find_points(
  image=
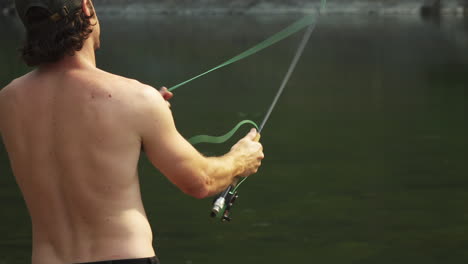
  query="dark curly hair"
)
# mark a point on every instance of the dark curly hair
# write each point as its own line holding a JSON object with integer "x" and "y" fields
{"x": 49, "y": 41}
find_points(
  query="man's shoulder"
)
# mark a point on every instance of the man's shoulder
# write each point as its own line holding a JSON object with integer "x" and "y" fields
{"x": 9, "y": 92}
{"x": 14, "y": 83}
{"x": 137, "y": 94}
{"x": 118, "y": 81}
{"x": 4, "y": 94}
{"x": 9, "y": 88}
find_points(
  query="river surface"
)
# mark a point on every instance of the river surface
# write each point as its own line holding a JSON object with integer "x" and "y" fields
{"x": 367, "y": 157}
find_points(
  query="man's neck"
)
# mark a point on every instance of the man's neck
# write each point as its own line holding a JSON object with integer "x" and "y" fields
{"x": 84, "y": 58}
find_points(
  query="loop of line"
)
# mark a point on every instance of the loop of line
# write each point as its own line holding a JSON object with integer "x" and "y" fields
{"x": 307, "y": 21}
{"x": 220, "y": 139}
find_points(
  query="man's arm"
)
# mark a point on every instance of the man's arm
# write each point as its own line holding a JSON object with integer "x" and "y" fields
{"x": 1, "y": 113}
{"x": 181, "y": 163}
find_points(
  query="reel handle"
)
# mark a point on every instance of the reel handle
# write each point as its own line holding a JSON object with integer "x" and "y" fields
{"x": 220, "y": 209}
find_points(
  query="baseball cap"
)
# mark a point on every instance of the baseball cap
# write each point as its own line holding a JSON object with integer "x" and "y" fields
{"x": 58, "y": 8}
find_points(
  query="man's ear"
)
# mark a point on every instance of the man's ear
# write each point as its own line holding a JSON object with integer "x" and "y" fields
{"x": 86, "y": 9}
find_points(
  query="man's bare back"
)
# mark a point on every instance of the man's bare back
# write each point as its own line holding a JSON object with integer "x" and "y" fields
{"x": 74, "y": 150}
{"x": 74, "y": 135}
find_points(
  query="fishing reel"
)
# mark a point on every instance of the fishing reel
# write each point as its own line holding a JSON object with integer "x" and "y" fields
{"x": 223, "y": 203}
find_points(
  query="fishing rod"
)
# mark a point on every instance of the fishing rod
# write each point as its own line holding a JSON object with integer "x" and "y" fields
{"x": 223, "y": 203}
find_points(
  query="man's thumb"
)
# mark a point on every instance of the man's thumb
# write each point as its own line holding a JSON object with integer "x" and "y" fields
{"x": 252, "y": 134}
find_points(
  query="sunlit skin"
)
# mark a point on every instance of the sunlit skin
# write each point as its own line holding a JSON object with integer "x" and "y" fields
{"x": 74, "y": 134}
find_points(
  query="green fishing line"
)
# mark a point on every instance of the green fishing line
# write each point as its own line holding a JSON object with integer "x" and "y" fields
{"x": 221, "y": 139}
{"x": 302, "y": 23}
{"x": 295, "y": 27}
{"x": 310, "y": 21}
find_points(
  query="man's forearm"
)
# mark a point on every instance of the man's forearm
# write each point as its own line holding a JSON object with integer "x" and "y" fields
{"x": 221, "y": 172}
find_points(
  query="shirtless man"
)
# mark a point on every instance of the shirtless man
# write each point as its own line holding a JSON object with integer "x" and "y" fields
{"x": 74, "y": 135}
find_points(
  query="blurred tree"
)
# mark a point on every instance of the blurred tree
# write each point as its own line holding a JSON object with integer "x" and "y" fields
{"x": 464, "y": 4}
{"x": 7, "y": 7}
{"x": 431, "y": 8}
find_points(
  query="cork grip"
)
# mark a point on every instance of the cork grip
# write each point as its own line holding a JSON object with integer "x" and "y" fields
{"x": 257, "y": 137}
{"x": 238, "y": 178}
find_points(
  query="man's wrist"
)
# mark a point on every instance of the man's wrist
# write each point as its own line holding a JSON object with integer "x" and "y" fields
{"x": 236, "y": 164}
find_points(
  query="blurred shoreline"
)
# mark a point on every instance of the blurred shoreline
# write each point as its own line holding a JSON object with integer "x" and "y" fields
{"x": 241, "y": 7}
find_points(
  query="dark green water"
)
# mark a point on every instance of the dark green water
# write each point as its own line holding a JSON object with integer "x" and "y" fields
{"x": 366, "y": 152}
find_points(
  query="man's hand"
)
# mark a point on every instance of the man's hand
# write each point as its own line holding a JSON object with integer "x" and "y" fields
{"x": 249, "y": 153}
{"x": 166, "y": 95}
{"x": 180, "y": 162}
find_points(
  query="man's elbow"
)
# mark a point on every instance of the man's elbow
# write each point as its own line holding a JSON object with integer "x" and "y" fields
{"x": 199, "y": 188}
{"x": 199, "y": 192}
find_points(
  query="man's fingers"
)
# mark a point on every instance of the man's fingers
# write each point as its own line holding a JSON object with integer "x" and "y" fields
{"x": 165, "y": 93}
{"x": 252, "y": 134}
{"x": 262, "y": 156}
{"x": 168, "y": 95}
